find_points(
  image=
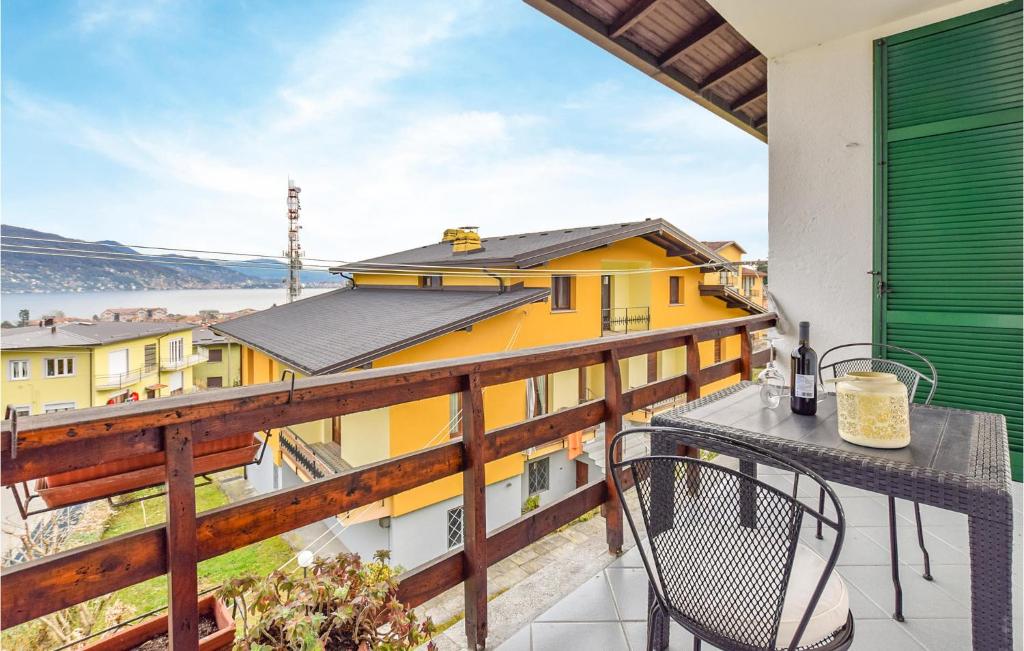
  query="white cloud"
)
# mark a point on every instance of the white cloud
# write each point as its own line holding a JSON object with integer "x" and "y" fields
{"x": 380, "y": 175}
{"x": 124, "y": 16}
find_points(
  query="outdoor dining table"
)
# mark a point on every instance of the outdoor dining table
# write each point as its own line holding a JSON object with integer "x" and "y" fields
{"x": 957, "y": 460}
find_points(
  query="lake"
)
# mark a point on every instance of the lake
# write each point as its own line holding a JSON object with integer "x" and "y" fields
{"x": 177, "y": 301}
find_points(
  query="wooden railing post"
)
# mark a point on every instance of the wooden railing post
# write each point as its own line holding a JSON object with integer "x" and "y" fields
{"x": 745, "y": 353}
{"x": 612, "y": 425}
{"x": 182, "y": 546}
{"x": 474, "y": 496}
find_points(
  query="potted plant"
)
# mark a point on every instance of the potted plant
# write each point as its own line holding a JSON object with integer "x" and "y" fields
{"x": 338, "y": 604}
{"x": 216, "y": 631}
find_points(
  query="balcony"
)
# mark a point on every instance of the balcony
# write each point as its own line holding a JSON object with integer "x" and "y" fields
{"x": 185, "y": 361}
{"x": 622, "y": 320}
{"x": 585, "y": 595}
{"x": 121, "y": 380}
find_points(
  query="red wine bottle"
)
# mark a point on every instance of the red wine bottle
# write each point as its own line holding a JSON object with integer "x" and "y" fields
{"x": 803, "y": 375}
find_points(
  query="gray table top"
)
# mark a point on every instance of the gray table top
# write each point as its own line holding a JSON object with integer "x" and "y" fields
{"x": 948, "y": 443}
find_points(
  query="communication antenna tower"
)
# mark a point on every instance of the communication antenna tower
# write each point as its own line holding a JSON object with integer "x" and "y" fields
{"x": 294, "y": 251}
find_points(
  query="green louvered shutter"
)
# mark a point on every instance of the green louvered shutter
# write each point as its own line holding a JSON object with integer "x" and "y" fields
{"x": 948, "y": 206}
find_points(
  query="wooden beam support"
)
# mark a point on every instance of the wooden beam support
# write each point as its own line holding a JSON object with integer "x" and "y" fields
{"x": 474, "y": 513}
{"x": 761, "y": 122}
{"x": 746, "y": 368}
{"x": 693, "y": 374}
{"x": 630, "y": 17}
{"x": 737, "y": 63}
{"x": 688, "y": 42}
{"x": 612, "y": 425}
{"x": 749, "y": 97}
{"x": 182, "y": 549}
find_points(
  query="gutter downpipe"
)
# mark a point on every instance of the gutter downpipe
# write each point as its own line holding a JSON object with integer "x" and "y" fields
{"x": 501, "y": 281}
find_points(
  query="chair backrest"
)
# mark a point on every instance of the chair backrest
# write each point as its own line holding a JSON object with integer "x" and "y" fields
{"x": 722, "y": 543}
{"x": 910, "y": 377}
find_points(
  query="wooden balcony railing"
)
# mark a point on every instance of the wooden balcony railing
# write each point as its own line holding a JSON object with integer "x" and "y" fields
{"x": 49, "y": 444}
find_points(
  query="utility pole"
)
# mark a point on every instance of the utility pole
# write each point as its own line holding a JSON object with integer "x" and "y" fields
{"x": 294, "y": 251}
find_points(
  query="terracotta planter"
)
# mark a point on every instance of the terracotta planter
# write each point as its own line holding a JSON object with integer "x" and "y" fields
{"x": 133, "y": 636}
{"x": 141, "y": 471}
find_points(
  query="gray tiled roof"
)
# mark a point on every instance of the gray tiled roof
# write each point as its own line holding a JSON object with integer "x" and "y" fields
{"x": 349, "y": 327}
{"x": 206, "y": 337}
{"x": 531, "y": 249}
{"x": 84, "y": 334}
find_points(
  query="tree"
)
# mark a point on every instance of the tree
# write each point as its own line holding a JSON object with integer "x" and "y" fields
{"x": 6, "y": 324}
{"x": 44, "y": 536}
{"x": 23, "y": 317}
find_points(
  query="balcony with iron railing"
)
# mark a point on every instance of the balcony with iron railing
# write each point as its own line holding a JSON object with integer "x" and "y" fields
{"x": 121, "y": 380}
{"x": 177, "y": 424}
{"x": 622, "y": 320}
{"x": 178, "y": 363}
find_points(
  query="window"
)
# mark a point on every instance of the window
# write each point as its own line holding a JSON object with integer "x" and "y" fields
{"x": 431, "y": 282}
{"x": 454, "y": 415}
{"x": 22, "y": 410}
{"x": 214, "y": 382}
{"x": 536, "y": 396}
{"x": 561, "y": 293}
{"x": 59, "y": 366}
{"x": 17, "y": 369}
{"x": 718, "y": 350}
{"x": 177, "y": 349}
{"x": 150, "y": 355}
{"x": 216, "y": 355}
{"x": 723, "y": 277}
{"x": 58, "y": 406}
{"x": 456, "y": 518}
{"x": 539, "y": 474}
{"x": 675, "y": 290}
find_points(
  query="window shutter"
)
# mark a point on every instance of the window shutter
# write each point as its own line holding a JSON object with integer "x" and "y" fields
{"x": 949, "y": 204}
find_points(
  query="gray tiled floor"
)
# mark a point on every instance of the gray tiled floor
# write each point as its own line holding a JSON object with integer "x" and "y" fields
{"x": 608, "y": 612}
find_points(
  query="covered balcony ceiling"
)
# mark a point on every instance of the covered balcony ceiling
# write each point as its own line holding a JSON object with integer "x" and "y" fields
{"x": 685, "y": 44}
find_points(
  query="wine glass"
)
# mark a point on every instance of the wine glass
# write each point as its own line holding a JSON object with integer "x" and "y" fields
{"x": 773, "y": 383}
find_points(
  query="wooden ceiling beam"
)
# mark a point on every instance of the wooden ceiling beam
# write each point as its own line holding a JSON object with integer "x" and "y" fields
{"x": 738, "y": 62}
{"x": 631, "y": 17}
{"x": 680, "y": 47}
{"x": 761, "y": 121}
{"x": 749, "y": 97}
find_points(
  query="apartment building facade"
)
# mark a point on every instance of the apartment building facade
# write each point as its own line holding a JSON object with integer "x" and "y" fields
{"x": 87, "y": 364}
{"x": 424, "y": 305}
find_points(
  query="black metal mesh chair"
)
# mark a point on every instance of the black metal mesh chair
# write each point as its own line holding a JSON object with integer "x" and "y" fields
{"x": 911, "y": 378}
{"x": 725, "y": 560}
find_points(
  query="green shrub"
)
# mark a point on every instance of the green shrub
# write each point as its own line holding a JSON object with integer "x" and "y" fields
{"x": 338, "y": 604}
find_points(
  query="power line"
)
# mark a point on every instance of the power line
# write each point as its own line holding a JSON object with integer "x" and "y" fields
{"x": 389, "y": 268}
{"x": 353, "y": 268}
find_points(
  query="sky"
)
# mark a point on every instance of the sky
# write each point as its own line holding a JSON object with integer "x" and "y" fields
{"x": 178, "y": 123}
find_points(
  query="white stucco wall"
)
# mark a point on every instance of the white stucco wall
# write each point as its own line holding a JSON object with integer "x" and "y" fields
{"x": 820, "y": 160}
{"x": 421, "y": 535}
{"x": 561, "y": 480}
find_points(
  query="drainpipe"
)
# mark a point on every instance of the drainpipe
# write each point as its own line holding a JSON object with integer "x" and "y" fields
{"x": 349, "y": 278}
{"x": 501, "y": 281}
{"x": 92, "y": 377}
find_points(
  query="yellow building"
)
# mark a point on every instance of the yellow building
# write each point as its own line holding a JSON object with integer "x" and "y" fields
{"x": 587, "y": 282}
{"x": 85, "y": 364}
{"x": 742, "y": 279}
{"x": 222, "y": 360}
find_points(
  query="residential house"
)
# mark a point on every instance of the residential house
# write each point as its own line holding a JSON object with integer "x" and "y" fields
{"x": 419, "y": 305}
{"x": 133, "y": 314}
{"x": 742, "y": 279}
{"x": 222, "y": 360}
{"x": 86, "y": 364}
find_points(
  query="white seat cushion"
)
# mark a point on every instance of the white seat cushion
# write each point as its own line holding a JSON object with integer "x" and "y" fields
{"x": 831, "y": 611}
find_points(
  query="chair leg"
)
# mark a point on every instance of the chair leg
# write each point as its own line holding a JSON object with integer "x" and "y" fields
{"x": 656, "y": 627}
{"x": 920, "y": 542}
{"x": 696, "y": 644}
{"x": 895, "y": 561}
{"x": 821, "y": 510}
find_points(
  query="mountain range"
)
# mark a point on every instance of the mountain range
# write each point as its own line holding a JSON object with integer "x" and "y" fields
{"x": 35, "y": 261}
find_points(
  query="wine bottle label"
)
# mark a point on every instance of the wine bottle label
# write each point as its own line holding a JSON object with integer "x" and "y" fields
{"x": 804, "y": 386}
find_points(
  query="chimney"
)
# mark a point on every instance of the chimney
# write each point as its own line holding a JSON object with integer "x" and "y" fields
{"x": 464, "y": 239}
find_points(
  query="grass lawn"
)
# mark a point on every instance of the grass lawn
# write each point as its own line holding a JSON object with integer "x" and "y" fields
{"x": 260, "y": 558}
